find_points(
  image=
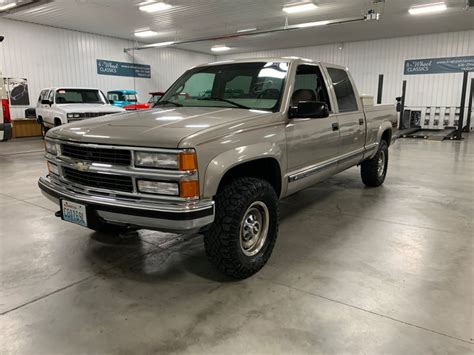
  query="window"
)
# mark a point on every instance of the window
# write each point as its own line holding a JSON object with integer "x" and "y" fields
{"x": 79, "y": 96}
{"x": 50, "y": 96}
{"x": 113, "y": 96}
{"x": 346, "y": 99}
{"x": 310, "y": 86}
{"x": 43, "y": 95}
{"x": 241, "y": 85}
{"x": 238, "y": 86}
{"x": 131, "y": 98}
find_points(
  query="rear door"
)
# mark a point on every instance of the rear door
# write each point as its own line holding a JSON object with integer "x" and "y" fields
{"x": 312, "y": 143}
{"x": 350, "y": 116}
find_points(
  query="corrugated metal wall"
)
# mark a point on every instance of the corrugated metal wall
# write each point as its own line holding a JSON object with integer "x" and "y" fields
{"x": 48, "y": 56}
{"x": 368, "y": 59}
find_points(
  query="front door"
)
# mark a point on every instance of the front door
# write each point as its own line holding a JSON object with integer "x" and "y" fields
{"x": 312, "y": 143}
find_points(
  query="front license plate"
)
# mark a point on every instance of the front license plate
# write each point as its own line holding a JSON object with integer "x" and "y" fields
{"x": 74, "y": 212}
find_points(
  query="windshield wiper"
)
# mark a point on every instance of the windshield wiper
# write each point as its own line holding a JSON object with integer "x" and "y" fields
{"x": 159, "y": 103}
{"x": 224, "y": 100}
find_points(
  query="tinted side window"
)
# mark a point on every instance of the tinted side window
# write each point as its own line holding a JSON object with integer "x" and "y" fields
{"x": 346, "y": 99}
{"x": 310, "y": 86}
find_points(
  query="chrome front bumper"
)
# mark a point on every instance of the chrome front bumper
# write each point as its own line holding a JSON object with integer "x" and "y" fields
{"x": 179, "y": 217}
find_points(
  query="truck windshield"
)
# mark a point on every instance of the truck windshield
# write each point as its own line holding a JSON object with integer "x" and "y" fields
{"x": 79, "y": 96}
{"x": 241, "y": 85}
{"x": 119, "y": 96}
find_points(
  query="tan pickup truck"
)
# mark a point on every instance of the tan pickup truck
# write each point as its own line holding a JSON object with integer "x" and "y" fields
{"x": 223, "y": 145}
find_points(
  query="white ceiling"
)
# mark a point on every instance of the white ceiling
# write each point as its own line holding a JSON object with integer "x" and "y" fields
{"x": 191, "y": 19}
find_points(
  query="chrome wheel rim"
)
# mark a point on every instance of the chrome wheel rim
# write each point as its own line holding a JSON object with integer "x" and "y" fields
{"x": 381, "y": 164}
{"x": 254, "y": 228}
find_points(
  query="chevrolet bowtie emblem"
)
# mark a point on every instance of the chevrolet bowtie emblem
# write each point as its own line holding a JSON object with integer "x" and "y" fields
{"x": 81, "y": 166}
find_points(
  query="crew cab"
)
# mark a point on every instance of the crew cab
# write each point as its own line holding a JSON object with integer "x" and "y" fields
{"x": 222, "y": 146}
{"x": 58, "y": 106}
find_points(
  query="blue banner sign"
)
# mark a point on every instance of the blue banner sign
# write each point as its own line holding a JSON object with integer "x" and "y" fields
{"x": 439, "y": 65}
{"x": 109, "y": 67}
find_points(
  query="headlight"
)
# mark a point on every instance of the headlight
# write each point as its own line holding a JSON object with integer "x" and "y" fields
{"x": 156, "y": 160}
{"x": 70, "y": 115}
{"x": 158, "y": 187}
{"x": 73, "y": 115}
{"x": 185, "y": 161}
{"x": 51, "y": 148}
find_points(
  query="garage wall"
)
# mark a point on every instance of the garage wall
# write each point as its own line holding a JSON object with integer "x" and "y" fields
{"x": 368, "y": 59}
{"x": 49, "y": 56}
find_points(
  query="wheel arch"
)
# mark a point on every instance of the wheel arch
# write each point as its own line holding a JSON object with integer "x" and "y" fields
{"x": 261, "y": 161}
{"x": 386, "y": 136}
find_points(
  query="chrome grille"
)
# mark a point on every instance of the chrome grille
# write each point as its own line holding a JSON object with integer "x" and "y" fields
{"x": 102, "y": 181}
{"x": 98, "y": 155}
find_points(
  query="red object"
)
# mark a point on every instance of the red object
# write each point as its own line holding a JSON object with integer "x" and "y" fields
{"x": 6, "y": 111}
{"x": 138, "y": 106}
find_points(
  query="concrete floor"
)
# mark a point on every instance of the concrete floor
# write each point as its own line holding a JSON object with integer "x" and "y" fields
{"x": 355, "y": 270}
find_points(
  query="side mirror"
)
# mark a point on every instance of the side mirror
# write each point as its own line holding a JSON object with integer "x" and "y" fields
{"x": 45, "y": 102}
{"x": 309, "y": 109}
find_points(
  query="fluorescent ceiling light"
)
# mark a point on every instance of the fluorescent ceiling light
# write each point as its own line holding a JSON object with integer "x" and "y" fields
{"x": 220, "y": 48}
{"x": 427, "y": 9}
{"x": 145, "y": 33}
{"x": 154, "y": 7}
{"x": 300, "y": 7}
{"x": 247, "y": 30}
{"x": 160, "y": 44}
{"x": 7, "y": 6}
{"x": 312, "y": 24}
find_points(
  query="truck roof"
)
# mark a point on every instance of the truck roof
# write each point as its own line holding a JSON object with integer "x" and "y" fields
{"x": 126, "y": 92}
{"x": 288, "y": 59}
{"x": 69, "y": 88}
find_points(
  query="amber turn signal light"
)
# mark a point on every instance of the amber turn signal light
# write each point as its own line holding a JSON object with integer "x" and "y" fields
{"x": 187, "y": 161}
{"x": 189, "y": 189}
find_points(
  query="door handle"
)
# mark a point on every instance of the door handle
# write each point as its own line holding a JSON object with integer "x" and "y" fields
{"x": 361, "y": 121}
{"x": 335, "y": 126}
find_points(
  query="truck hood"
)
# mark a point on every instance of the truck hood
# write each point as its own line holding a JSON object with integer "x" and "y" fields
{"x": 159, "y": 128}
{"x": 71, "y": 108}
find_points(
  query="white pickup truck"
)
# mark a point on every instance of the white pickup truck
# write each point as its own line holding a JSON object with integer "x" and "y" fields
{"x": 58, "y": 106}
{"x": 225, "y": 142}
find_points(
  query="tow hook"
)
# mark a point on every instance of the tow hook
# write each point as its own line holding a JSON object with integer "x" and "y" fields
{"x": 57, "y": 214}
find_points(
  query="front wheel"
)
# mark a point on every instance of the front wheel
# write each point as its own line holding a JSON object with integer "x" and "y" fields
{"x": 373, "y": 171}
{"x": 242, "y": 237}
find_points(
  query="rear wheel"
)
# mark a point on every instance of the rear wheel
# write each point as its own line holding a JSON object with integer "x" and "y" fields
{"x": 373, "y": 171}
{"x": 242, "y": 237}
